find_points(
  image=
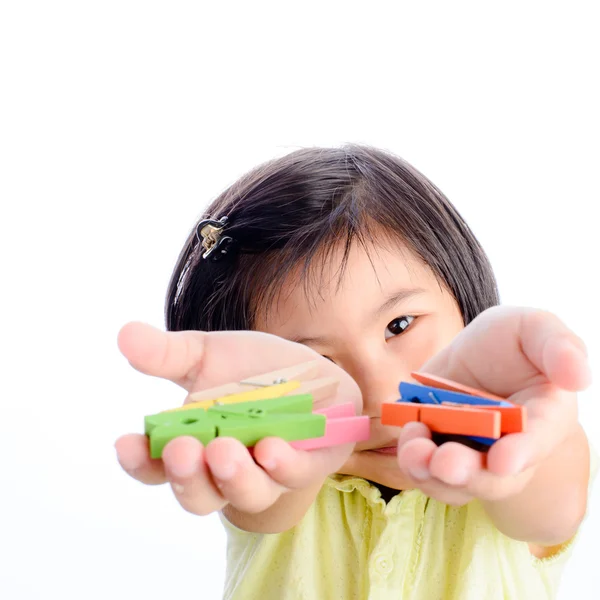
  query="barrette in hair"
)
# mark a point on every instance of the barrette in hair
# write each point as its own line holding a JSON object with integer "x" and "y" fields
{"x": 209, "y": 235}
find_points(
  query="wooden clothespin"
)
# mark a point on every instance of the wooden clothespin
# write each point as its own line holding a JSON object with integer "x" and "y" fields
{"x": 275, "y": 384}
{"x": 275, "y": 404}
{"x": 450, "y": 408}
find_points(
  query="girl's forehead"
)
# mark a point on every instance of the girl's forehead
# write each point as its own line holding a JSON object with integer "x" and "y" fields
{"x": 334, "y": 288}
{"x": 370, "y": 268}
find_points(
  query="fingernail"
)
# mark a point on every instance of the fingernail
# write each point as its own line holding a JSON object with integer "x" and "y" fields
{"x": 519, "y": 465}
{"x": 177, "y": 488}
{"x": 419, "y": 473}
{"x": 577, "y": 348}
{"x": 225, "y": 471}
{"x": 269, "y": 464}
{"x": 461, "y": 476}
{"x": 131, "y": 466}
{"x": 581, "y": 347}
{"x": 582, "y": 351}
{"x": 183, "y": 471}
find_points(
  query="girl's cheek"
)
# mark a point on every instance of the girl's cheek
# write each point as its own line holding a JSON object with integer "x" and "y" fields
{"x": 417, "y": 347}
{"x": 441, "y": 330}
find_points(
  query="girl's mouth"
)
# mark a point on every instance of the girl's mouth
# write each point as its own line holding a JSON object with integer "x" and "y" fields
{"x": 389, "y": 450}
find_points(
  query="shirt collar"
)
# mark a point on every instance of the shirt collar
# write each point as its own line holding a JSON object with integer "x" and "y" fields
{"x": 350, "y": 483}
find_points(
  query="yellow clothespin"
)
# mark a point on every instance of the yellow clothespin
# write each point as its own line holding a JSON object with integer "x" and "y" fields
{"x": 275, "y": 384}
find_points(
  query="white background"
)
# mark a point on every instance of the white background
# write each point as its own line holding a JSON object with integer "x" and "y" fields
{"x": 120, "y": 120}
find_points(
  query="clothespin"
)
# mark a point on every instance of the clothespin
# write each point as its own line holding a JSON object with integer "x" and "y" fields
{"x": 290, "y": 418}
{"x": 341, "y": 427}
{"x": 452, "y": 409}
{"x": 267, "y": 385}
{"x": 261, "y": 406}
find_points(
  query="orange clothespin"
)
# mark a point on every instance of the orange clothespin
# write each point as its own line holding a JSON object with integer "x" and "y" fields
{"x": 451, "y": 408}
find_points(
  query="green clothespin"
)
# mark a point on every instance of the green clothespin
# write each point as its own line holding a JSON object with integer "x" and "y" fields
{"x": 288, "y": 417}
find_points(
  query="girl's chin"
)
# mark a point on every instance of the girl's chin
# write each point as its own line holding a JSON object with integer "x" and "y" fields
{"x": 380, "y": 467}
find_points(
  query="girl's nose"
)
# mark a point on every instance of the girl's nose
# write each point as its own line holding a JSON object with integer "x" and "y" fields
{"x": 379, "y": 382}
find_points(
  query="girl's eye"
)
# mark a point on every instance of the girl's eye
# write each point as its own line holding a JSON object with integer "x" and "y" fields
{"x": 398, "y": 326}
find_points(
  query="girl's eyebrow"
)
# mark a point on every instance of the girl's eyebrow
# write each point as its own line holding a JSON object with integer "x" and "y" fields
{"x": 308, "y": 340}
{"x": 392, "y": 300}
{"x": 396, "y": 297}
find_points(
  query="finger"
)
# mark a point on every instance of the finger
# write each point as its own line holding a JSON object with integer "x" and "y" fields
{"x": 412, "y": 431}
{"x": 452, "y": 496}
{"x": 291, "y": 468}
{"x": 172, "y": 355}
{"x": 238, "y": 478}
{"x": 190, "y": 478}
{"x": 134, "y": 457}
{"x": 556, "y": 351}
{"x": 414, "y": 460}
{"x": 414, "y": 456}
{"x": 490, "y": 487}
{"x": 198, "y": 360}
{"x": 551, "y": 418}
{"x": 507, "y": 349}
{"x": 455, "y": 464}
{"x": 455, "y": 474}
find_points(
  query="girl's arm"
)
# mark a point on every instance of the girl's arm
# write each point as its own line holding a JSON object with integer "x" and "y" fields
{"x": 553, "y": 503}
{"x": 285, "y": 514}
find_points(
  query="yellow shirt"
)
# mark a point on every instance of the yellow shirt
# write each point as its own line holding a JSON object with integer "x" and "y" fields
{"x": 351, "y": 545}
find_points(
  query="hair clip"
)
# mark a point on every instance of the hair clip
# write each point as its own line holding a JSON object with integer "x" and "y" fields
{"x": 209, "y": 235}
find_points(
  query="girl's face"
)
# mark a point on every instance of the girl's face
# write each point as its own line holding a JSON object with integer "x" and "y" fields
{"x": 384, "y": 318}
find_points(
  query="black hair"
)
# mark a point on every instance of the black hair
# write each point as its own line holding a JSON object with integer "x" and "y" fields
{"x": 291, "y": 210}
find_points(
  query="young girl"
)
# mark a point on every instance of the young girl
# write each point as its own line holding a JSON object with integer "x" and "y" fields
{"x": 352, "y": 256}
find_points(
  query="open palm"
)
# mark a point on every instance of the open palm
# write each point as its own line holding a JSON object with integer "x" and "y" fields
{"x": 531, "y": 358}
{"x": 205, "y": 479}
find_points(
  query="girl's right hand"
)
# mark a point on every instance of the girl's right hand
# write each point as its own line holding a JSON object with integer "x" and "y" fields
{"x": 206, "y": 479}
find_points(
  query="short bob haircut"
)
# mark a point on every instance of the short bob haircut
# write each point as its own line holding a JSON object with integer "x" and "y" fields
{"x": 293, "y": 210}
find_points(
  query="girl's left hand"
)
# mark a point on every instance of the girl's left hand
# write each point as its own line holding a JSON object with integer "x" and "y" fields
{"x": 527, "y": 356}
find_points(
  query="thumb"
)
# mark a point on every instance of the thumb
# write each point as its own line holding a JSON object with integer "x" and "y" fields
{"x": 172, "y": 355}
{"x": 507, "y": 349}
{"x": 555, "y": 350}
{"x": 198, "y": 360}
